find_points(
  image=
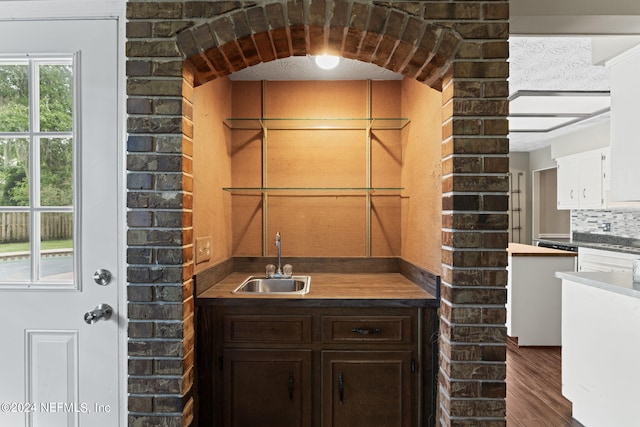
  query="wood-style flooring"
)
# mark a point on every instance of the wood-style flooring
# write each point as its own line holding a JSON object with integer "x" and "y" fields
{"x": 534, "y": 388}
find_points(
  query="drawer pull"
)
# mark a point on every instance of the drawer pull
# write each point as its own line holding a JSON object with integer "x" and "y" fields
{"x": 363, "y": 331}
{"x": 291, "y": 386}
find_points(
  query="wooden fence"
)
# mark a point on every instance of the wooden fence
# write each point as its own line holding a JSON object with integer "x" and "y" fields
{"x": 14, "y": 226}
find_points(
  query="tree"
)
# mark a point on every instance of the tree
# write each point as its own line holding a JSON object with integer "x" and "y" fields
{"x": 56, "y": 177}
{"x": 56, "y": 100}
{"x": 56, "y": 115}
{"x": 14, "y": 98}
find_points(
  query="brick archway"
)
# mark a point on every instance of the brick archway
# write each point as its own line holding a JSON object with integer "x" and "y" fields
{"x": 459, "y": 48}
{"x": 388, "y": 38}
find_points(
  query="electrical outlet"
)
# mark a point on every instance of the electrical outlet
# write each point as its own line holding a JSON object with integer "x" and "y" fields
{"x": 203, "y": 249}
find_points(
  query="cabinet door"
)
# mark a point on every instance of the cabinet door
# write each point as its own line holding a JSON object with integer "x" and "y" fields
{"x": 625, "y": 147}
{"x": 590, "y": 178}
{"x": 368, "y": 388}
{"x": 267, "y": 388}
{"x": 567, "y": 183}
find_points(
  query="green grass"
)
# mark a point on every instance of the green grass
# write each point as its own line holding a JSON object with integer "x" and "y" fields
{"x": 48, "y": 244}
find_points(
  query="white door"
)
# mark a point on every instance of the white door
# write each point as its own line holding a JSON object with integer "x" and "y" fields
{"x": 59, "y": 223}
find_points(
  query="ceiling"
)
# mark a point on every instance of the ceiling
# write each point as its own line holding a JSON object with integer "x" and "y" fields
{"x": 556, "y": 67}
{"x": 304, "y": 68}
{"x": 547, "y": 67}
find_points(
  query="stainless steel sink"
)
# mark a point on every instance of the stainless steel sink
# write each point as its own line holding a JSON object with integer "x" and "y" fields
{"x": 296, "y": 285}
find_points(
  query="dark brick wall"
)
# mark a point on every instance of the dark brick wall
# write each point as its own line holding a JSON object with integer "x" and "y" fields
{"x": 458, "y": 47}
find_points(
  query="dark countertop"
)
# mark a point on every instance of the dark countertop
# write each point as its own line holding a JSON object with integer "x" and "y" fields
{"x": 603, "y": 241}
{"x": 329, "y": 289}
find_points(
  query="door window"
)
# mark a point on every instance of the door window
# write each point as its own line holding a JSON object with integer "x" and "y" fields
{"x": 37, "y": 179}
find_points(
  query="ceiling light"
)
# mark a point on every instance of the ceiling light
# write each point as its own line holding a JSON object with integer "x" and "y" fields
{"x": 327, "y": 62}
{"x": 545, "y": 111}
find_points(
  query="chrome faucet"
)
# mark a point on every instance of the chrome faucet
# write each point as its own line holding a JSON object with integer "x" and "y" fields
{"x": 279, "y": 270}
{"x": 285, "y": 272}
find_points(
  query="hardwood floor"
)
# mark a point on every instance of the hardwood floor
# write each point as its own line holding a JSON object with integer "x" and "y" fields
{"x": 534, "y": 396}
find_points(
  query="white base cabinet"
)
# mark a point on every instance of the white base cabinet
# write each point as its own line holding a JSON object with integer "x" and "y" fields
{"x": 600, "y": 354}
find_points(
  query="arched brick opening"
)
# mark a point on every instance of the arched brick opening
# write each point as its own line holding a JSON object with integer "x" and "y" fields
{"x": 458, "y": 48}
{"x": 399, "y": 42}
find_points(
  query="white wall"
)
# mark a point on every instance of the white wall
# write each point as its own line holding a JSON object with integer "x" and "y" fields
{"x": 581, "y": 140}
{"x": 574, "y": 7}
{"x": 541, "y": 159}
{"x": 604, "y": 48}
{"x": 575, "y": 17}
{"x": 60, "y": 9}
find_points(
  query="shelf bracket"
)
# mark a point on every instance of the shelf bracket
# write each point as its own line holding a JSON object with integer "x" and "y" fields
{"x": 368, "y": 174}
{"x": 265, "y": 196}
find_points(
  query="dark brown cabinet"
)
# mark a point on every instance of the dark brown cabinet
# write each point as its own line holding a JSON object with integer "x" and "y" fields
{"x": 313, "y": 366}
{"x": 266, "y": 388}
{"x": 367, "y": 388}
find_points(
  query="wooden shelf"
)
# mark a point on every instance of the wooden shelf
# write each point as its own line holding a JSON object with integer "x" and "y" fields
{"x": 316, "y": 190}
{"x": 316, "y": 124}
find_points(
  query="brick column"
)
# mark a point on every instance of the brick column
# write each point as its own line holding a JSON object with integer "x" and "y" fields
{"x": 159, "y": 237}
{"x": 474, "y": 226}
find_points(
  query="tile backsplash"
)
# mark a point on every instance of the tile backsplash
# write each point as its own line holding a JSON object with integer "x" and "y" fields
{"x": 624, "y": 222}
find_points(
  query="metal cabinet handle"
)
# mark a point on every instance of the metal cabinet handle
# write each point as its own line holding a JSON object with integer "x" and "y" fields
{"x": 584, "y": 193}
{"x": 291, "y": 386}
{"x": 365, "y": 331}
{"x": 571, "y": 194}
{"x": 341, "y": 388}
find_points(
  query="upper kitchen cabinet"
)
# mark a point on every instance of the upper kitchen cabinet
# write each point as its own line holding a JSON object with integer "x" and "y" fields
{"x": 581, "y": 180}
{"x": 625, "y": 147}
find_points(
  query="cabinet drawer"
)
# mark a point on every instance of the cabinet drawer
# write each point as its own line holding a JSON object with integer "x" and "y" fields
{"x": 353, "y": 329}
{"x": 267, "y": 329}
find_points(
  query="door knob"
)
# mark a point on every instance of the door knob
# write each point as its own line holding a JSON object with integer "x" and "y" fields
{"x": 102, "y": 311}
{"x": 102, "y": 277}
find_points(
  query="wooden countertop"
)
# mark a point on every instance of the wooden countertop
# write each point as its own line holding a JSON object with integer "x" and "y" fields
{"x": 335, "y": 289}
{"x": 518, "y": 249}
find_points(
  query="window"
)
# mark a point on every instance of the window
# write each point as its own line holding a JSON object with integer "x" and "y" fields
{"x": 37, "y": 179}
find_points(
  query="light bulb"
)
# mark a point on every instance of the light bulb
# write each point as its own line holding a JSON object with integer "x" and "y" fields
{"x": 327, "y": 62}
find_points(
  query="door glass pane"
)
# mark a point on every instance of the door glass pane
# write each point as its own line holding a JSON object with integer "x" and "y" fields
{"x": 14, "y": 172}
{"x": 37, "y": 172}
{"x": 15, "y": 253}
{"x": 14, "y": 96}
{"x": 56, "y": 246}
{"x": 56, "y": 98}
{"x": 56, "y": 172}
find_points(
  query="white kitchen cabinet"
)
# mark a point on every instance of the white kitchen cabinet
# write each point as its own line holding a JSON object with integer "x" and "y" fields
{"x": 581, "y": 180}
{"x": 625, "y": 145}
{"x": 590, "y": 259}
{"x": 567, "y": 183}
